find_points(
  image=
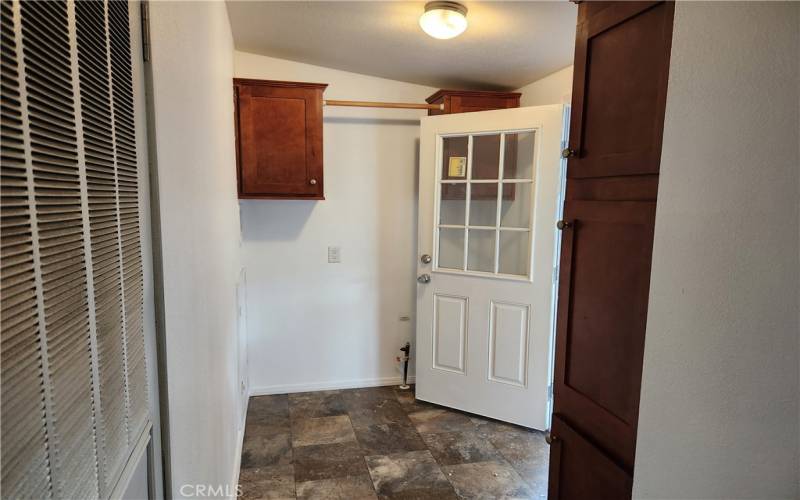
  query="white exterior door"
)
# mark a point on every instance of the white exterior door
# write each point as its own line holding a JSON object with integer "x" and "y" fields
{"x": 490, "y": 191}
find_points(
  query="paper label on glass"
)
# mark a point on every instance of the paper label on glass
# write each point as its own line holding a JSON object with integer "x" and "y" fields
{"x": 457, "y": 166}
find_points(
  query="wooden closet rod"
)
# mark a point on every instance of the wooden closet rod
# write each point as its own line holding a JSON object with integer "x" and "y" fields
{"x": 396, "y": 105}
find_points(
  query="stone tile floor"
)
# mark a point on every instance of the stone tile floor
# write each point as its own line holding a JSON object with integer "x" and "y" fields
{"x": 382, "y": 443}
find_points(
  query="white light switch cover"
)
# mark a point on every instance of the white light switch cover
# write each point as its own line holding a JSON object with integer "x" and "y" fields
{"x": 334, "y": 255}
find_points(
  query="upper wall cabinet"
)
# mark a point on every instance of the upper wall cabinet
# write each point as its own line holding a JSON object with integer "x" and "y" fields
{"x": 464, "y": 101}
{"x": 279, "y": 139}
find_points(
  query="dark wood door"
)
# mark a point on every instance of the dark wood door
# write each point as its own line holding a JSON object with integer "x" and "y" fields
{"x": 619, "y": 93}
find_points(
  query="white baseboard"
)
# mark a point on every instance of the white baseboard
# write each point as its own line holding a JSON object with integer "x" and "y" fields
{"x": 327, "y": 386}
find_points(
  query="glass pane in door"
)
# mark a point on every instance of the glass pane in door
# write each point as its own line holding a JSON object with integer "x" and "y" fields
{"x": 518, "y": 156}
{"x": 483, "y": 205}
{"x": 455, "y": 151}
{"x": 451, "y": 248}
{"x": 485, "y": 156}
{"x": 514, "y": 254}
{"x": 453, "y": 204}
{"x": 480, "y": 254}
{"x": 515, "y": 211}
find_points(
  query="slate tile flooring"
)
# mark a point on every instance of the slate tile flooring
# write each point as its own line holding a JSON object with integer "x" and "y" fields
{"x": 381, "y": 443}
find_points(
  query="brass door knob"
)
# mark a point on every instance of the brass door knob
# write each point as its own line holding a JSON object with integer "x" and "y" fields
{"x": 567, "y": 153}
{"x": 562, "y": 225}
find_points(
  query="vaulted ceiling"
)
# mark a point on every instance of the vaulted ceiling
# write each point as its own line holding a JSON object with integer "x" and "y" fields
{"x": 507, "y": 44}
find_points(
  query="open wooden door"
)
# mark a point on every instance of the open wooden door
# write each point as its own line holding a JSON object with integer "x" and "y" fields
{"x": 619, "y": 93}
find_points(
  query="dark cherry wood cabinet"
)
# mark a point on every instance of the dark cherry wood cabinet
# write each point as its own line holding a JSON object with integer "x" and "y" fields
{"x": 618, "y": 101}
{"x": 279, "y": 139}
{"x": 465, "y": 101}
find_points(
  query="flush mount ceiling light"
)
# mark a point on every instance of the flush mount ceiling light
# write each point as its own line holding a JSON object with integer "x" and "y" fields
{"x": 444, "y": 20}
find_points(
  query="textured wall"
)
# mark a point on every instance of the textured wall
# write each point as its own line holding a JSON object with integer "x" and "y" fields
{"x": 192, "y": 65}
{"x": 555, "y": 88}
{"x": 719, "y": 407}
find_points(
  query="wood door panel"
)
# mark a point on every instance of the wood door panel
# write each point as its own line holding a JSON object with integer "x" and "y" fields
{"x": 605, "y": 260}
{"x": 620, "y": 90}
{"x": 281, "y": 148}
{"x": 582, "y": 470}
{"x": 628, "y": 188}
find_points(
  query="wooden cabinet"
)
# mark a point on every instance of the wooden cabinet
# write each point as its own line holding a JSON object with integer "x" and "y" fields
{"x": 618, "y": 100}
{"x": 279, "y": 139}
{"x": 465, "y": 101}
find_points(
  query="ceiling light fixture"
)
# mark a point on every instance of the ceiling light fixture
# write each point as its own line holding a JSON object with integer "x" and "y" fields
{"x": 444, "y": 20}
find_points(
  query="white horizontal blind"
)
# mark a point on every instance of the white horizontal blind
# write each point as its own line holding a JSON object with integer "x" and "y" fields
{"x": 74, "y": 389}
{"x": 130, "y": 227}
{"x": 25, "y": 459}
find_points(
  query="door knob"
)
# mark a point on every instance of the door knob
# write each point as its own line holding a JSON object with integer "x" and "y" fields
{"x": 424, "y": 278}
{"x": 561, "y": 225}
{"x": 549, "y": 437}
{"x": 425, "y": 259}
{"x": 313, "y": 182}
{"x": 567, "y": 153}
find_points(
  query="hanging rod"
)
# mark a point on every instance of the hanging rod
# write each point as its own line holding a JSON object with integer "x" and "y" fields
{"x": 396, "y": 105}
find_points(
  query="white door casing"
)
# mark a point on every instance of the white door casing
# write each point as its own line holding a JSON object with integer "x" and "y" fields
{"x": 485, "y": 318}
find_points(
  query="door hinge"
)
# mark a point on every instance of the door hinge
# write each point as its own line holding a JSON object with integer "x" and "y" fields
{"x": 550, "y": 392}
{"x": 145, "y": 18}
{"x": 555, "y": 274}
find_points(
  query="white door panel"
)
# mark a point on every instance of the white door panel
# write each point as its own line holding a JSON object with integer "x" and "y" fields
{"x": 449, "y": 332}
{"x": 490, "y": 190}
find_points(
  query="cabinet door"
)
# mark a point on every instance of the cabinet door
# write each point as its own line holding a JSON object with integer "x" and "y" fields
{"x": 619, "y": 94}
{"x": 582, "y": 471}
{"x": 280, "y": 141}
{"x": 602, "y": 313}
{"x": 619, "y": 88}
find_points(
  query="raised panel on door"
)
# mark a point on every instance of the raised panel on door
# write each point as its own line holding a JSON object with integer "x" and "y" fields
{"x": 509, "y": 328}
{"x": 605, "y": 275}
{"x": 581, "y": 470}
{"x": 449, "y": 333}
{"x": 619, "y": 89}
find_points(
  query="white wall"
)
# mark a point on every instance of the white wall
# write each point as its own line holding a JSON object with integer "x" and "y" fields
{"x": 719, "y": 407}
{"x": 192, "y": 68}
{"x": 555, "y": 88}
{"x": 312, "y": 324}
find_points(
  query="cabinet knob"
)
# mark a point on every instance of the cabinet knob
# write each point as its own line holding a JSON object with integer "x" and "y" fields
{"x": 313, "y": 182}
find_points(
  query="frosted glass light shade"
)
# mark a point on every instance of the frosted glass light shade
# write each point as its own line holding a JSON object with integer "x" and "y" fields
{"x": 444, "y": 20}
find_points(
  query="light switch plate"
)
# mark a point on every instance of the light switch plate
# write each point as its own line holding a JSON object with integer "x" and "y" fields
{"x": 334, "y": 255}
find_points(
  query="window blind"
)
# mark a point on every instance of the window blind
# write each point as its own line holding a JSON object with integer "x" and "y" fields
{"x": 73, "y": 375}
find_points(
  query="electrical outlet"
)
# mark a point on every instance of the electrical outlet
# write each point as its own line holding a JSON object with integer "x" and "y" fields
{"x": 334, "y": 255}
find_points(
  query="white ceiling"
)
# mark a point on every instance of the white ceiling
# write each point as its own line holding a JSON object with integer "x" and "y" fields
{"x": 506, "y": 46}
